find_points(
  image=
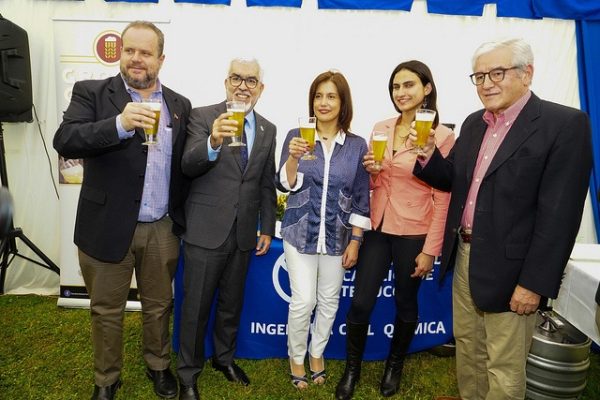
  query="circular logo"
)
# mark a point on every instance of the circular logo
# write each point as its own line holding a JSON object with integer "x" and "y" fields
{"x": 277, "y": 278}
{"x": 107, "y": 47}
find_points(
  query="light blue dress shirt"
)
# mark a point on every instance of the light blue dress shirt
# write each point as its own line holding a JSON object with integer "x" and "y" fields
{"x": 155, "y": 196}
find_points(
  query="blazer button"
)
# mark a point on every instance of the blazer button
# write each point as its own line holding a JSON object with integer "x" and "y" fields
{"x": 137, "y": 201}
{"x": 141, "y": 175}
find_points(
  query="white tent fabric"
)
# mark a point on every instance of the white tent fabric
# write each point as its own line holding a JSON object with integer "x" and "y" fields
{"x": 293, "y": 45}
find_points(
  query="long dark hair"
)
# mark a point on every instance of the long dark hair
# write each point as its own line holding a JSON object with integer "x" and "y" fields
{"x": 424, "y": 74}
{"x": 340, "y": 82}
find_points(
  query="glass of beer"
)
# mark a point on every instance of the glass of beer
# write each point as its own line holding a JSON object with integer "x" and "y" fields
{"x": 308, "y": 129}
{"x": 423, "y": 122}
{"x": 238, "y": 108}
{"x": 154, "y": 105}
{"x": 378, "y": 143}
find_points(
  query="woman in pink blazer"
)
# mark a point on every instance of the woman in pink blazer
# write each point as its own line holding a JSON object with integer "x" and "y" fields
{"x": 408, "y": 219}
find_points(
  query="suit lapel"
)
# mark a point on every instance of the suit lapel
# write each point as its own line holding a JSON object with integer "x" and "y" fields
{"x": 518, "y": 133}
{"x": 174, "y": 107}
{"x": 478, "y": 132}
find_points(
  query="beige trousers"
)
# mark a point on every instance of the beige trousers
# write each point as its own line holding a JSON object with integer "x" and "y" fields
{"x": 153, "y": 255}
{"x": 491, "y": 348}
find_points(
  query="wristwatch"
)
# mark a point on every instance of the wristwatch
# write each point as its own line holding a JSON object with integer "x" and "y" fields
{"x": 359, "y": 239}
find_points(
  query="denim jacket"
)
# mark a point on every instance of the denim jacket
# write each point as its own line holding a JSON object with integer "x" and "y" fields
{"x": 347, "y": 196}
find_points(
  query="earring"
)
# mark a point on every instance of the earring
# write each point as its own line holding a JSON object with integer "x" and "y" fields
{"x": 424, "y": 104}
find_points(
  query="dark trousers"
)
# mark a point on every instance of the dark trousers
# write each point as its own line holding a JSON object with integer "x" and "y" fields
{"x": 205, "y": 271}
{"x": 153, "y": 255}
{"x": 377, "y": 252}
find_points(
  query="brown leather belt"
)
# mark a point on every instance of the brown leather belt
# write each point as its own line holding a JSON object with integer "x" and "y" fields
{"x": 465, "y": 235}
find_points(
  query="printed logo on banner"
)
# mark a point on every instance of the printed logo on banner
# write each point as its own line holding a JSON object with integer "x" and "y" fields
{"x": 279, "y": 276}
{"x": 107, "y": 47}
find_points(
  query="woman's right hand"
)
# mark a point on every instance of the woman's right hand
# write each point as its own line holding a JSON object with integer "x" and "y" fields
{"x": 297, "y": 147}
{"x": 369, "y": 163}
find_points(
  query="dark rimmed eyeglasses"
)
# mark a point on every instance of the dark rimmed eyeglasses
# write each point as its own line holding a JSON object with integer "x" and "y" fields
{"x": 495, "y": 75}
{"x": 236, "y": 81}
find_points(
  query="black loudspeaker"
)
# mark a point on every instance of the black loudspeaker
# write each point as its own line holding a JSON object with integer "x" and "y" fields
{"x": 15, "y": 74}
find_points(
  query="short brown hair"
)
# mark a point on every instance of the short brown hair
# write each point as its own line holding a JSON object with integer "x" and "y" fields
{"x": 345, "y": 117}
{"x": 152, "y": 27}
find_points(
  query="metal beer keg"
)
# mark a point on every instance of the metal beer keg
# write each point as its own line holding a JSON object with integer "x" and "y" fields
{"x": 558, "y": 361}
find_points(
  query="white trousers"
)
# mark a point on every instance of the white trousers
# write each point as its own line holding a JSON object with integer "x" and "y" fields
{"x": 315, "y": 281}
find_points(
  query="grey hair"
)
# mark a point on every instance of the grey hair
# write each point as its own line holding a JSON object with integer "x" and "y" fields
{"x": 520, "y": 50}
{"x": 242, "y": 60}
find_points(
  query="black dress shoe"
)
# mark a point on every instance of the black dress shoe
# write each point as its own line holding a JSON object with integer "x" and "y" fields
{"x": 188, "y": 392}
{"x": 165, "y": 384}
{"x": 232, "y": 372}
{"x": 106, "y": 392}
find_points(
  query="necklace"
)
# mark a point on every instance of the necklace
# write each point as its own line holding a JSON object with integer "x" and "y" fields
{"x": 323, "y": 137}
{"x": 400, "y": 136}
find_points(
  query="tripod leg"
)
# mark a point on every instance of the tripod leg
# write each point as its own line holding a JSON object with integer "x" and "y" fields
{"x": 4, "y": 255}
{"x": 49, "y": 264}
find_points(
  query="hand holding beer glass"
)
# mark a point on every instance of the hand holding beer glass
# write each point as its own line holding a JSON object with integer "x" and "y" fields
{"x": 378, "y": 143}
{"x": 308, "y": 129}
{"x": 423, "y": 123}
{"x": 238, "y": 108}
{"x": 154, "y": 105}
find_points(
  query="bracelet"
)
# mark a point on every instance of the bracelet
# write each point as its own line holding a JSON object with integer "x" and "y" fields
{"x": 359, "y": 239}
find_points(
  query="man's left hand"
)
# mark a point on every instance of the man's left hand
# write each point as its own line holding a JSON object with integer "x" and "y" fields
{"x": 264, "y": 242}
{"x": 524, "y": 301}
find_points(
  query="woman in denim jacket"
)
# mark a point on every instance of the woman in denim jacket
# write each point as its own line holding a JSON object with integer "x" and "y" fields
{"x": 408, "y": 218}
{"x": 327, "y": 211}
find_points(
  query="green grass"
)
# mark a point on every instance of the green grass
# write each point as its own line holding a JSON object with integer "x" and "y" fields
{"x": 45, "y": 353}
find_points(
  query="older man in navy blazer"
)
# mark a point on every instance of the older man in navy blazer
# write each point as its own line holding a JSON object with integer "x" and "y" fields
{"x": 518, "y": 175}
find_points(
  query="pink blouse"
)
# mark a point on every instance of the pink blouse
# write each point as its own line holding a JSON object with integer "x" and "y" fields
{"x": 407, "y": 205}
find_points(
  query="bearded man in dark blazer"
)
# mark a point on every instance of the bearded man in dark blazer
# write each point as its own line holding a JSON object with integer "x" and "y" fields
{"x": 131, "y": 203}
{"x": 519, "y": 174}
{"x": 232, "y": 195}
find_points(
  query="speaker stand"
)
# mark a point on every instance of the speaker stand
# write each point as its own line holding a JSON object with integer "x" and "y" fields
{"x": 8, "y": 245}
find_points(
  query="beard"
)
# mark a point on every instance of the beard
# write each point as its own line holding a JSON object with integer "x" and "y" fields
{"x": 137, "y": 83}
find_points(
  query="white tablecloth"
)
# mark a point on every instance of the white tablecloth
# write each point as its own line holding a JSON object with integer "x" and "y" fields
{"x": 576, "y": 299}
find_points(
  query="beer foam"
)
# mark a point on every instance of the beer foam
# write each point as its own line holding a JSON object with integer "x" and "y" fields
{"x": 425, "y": 116}
{"x": 236, "y": 106}
{"x": 154, "y": 106}
{"x": 380, "y": 137}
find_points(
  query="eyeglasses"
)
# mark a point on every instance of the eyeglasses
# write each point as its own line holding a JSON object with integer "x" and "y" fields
{"x": 496, "y": 75}
{"x": 236, "y": 81}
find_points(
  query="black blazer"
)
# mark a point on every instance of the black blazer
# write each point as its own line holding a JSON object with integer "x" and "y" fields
{"x": 222, "y": 193}
{"x": 529, "y": 205}
{"x": 114, "y": 169}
